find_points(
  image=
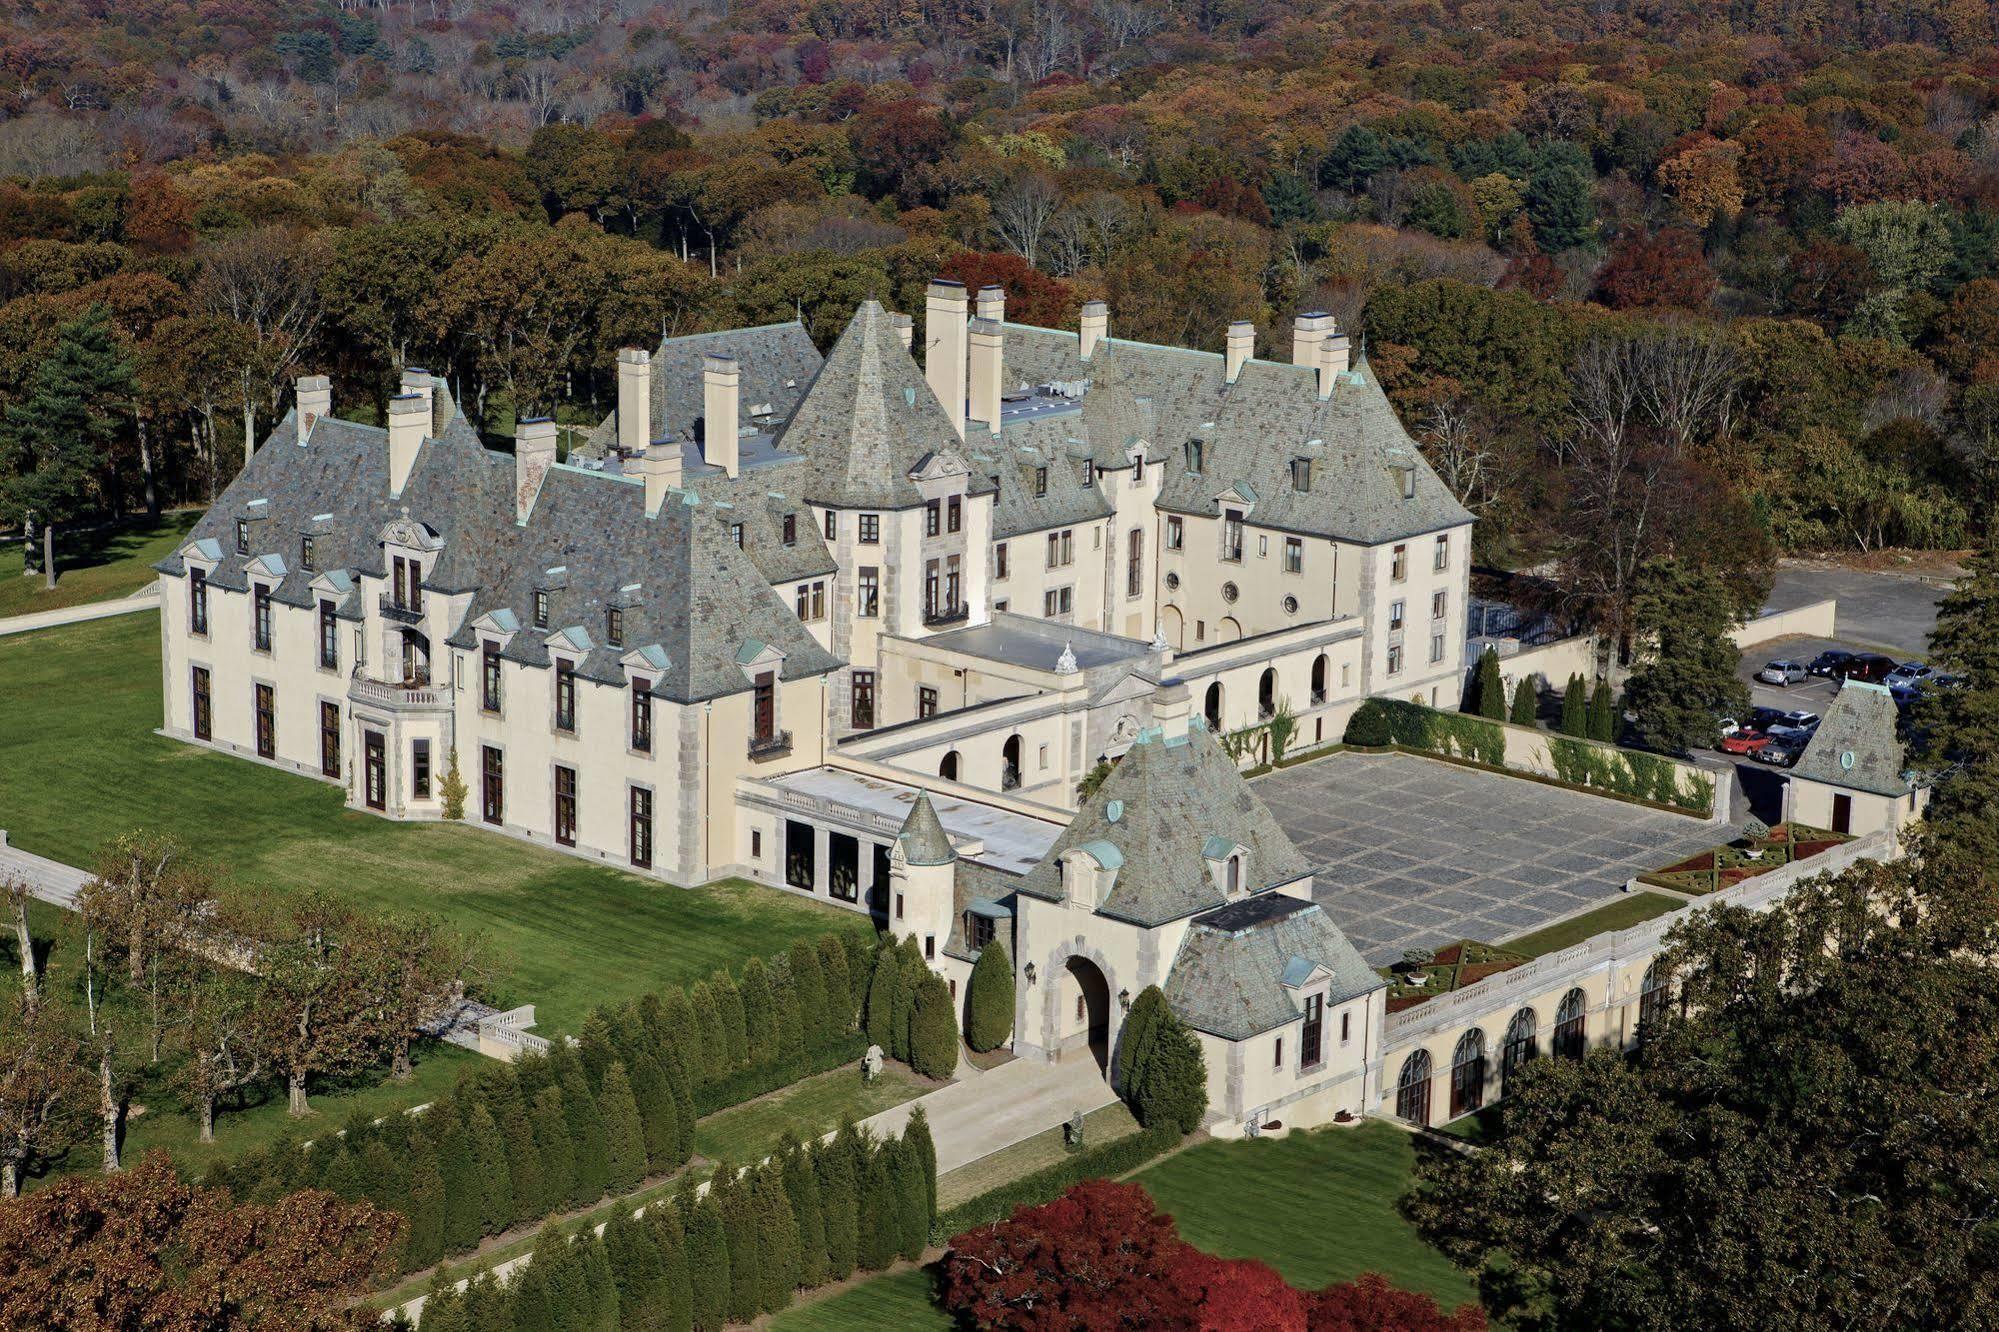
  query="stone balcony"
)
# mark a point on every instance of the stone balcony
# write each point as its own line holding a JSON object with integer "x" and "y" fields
{"x": 399, "y": 696}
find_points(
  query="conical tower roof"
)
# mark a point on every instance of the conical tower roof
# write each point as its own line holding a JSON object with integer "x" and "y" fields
{"x": 923, "y": 839}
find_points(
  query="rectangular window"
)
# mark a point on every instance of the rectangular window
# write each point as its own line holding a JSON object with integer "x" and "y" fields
{"x": 1439, "y": 603}
{"x": 930, "y": 946}
{"x": 565, "y": 695}
{"x": 801, "y": 601}
{"x": 1041, "y": 481}
{"x": 492, "y": 785}
{"x": 868, "y": 592}
{"x": 1395, "y": 615}
{"x": 999, "y": 562}
{"x": 305, "y": 554}
{"x": 871, "y": 529}
{"x": 1057, "y": 602}
{"x": 1176, "y": 533}
{"x": 978, "y": 930}
{"x": 1232, "y": 535}
{"x": 329, "y": 637}
{"x": 1398, "y": 563}
{"x": 926, "y": 702}
{"x": 242, "y": 536}
{"x": 400, "y": 598}
{"x": 329, "y": 739}
{"x": 1315, "y": 1021}
{"x": 420, "y": 769}
{"x": 642, "y": 714}
{"x": 1194, "y": 451}
{"x": 489, "y": 677}
{"x": 1089, "y": 472}
{"x": 267, "y": 721}
{"x": 932, "y": 518}
{"x": 1294, "y": 555}
{"x": 763, "y": 698}
{"x": 1346, "y": 1028}
{"x": 864, "y": 700}
{"x": 204, "y": 716}
{"x": 953, "y": 584}
{"x": 832, "y": 524}
{"x": 790, "y": 529}
{"x": 614, "y": 627}
{"x": 1061, "y": 549}
{"x": 1138, "y": 469}
{"x": 736, "y": 534}
{"x": 565, "y": 806}
{"x": 1395, "y": 659}
{"x": 1442, "y": 560}
{"x": 260, "y": 599}
{"x": 197, "y": 600}
{"x": 540, "y": 609}
{"x": 416, "y": 586}
{"x": 898, "y": 906}
{"x": 954, "y": 514}
{"x": 1436, "y": 647}
{"x": 374, "y": 770}
{"x": 1278, "y": 1061}
{"x": 819, "y": 600}
{"x": 930, "y": 588}
{"x": 641, "y": 828}
{"x": 1134, "y": 562}
{"x": 1301, "y": 475}
{"x": 1263, "y": 548}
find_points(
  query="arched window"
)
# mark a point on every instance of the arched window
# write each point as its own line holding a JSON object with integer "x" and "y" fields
{"x": 1654, "y": 994}
{"x": 1571, "y": 1025}
{"x": 1412, "y": 1089}
{"x": 1234, "y": 875}
{"x": 948, "y": 769}
{"x": 1319, "y": 665}
{"x": 1523, "y": 1046}
{"x": 1010, "y": 763}
{"x": 1266, "y": 695}
{"x": 1468, "y": 1073}
{"x": 1212, "y": 708}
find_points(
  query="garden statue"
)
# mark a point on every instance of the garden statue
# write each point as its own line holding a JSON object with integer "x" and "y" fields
{"x": 871, "y": 1064}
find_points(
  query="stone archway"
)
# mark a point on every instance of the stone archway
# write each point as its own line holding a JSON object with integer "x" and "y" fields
{"x": 1077, "y": 991}
{"x": 1090, "y": 1015}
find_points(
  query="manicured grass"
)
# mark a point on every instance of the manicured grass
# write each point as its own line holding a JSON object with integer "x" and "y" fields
{"x": 1319, "y": 1206}
{"x": 79, "y": 763}
{"x": 1100, "y": 1128}
{"x": 1631, "y": 909}
{"x": 92, "y": 566}
{"x": 900, "y": 1300}
{"x": 745, "y": 1134}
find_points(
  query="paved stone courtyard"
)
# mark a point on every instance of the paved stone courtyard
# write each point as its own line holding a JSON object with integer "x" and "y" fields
{"x": 1410, "y": 853}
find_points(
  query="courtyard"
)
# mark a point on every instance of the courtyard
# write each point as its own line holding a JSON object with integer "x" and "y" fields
{"x": 1410, "y": 852}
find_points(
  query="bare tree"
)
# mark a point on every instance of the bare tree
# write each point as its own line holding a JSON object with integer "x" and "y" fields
{"x": 42, "y": 1091}
{"x": 269, "y": 280}
{"x": 1457, "y": 438}
{"x": 18, "y": 896}
{"x": 1022, "y": 206}
{"x": 1613, "y": 469}
{"x": 1688, "y": 379}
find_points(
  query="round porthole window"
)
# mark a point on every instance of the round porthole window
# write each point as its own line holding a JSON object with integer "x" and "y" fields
{"x": 1172, "y": 582}
{"x": 1290, "y": 605}
{"x": 1846, "y": 759}
{"x": 1229, "y": 593}
{"x": 1114, "y": 811}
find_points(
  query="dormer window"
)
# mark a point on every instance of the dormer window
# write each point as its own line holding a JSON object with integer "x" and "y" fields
{"x": 614, "y": 627}
{"x": 260, "y": 619}
{"x": 1089, "y": 472}
{"x": 1301, "y": 475}
{"x": 242, "y": 536}
{"x": 1194, "y": 451}
{"x": 1232, "y": 876}
{"x": 1041, "y": 481}
{"x": 871, "y": 529}
{"x": 1138, "y": 469}
{"x": 736, "y": 534}
{"x": 306, "y": 556}
{"x": 933, "y": 516}
{"x": 1408, "y": 475}
{"x": 541, "y": 608}
{"x": 408, "y": 576}
{"x": 565, "y": 695}
{"x": 790, "y": 525}
{"x": 954, "y": 514}
{"x": 1311, "y": 1040}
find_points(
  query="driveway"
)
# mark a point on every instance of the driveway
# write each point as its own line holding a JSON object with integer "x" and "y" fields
{"x": 1000, "y": 1107}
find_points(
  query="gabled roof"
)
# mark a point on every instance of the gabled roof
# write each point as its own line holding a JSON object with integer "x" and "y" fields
{"x": 1240, "y": 970}
{"x": 1856, "y": 746}
{"x": 1172, "y": 797}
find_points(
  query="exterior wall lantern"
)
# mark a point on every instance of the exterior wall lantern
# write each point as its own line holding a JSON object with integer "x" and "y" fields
{"x": 1028, "y": 971}
{"x": 1124, "y": 1001}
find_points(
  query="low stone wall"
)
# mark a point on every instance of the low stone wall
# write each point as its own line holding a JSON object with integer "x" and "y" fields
{"x": 1816, "y": 619}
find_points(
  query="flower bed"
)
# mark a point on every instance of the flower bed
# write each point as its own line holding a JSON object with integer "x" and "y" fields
{"x": 1451, "y": 967}
{"x": 1729, "y": 864}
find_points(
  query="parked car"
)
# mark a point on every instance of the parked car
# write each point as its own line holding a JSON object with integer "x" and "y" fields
{"x": 1829, "y": 662}
{"x": 1795, "y": 726}
{"x": 1782, "y": 672}
{"x": 1782, "y": 753}
{"x": 1906, "y": 691}
{"x": 1743, "y": 740}
{"x": 1908, "y": 673}
{"x": 1870, "y": 667}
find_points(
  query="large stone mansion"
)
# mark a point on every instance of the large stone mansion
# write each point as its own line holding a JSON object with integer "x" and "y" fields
{"x": 859, "y": 628}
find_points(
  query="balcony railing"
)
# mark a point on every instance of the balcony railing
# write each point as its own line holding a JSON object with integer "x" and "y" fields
{"x": 774, "y": 745}
{"x": 400, "y": 614}
{"x": 938, "y": 615}
{"x": 415, "y": 693}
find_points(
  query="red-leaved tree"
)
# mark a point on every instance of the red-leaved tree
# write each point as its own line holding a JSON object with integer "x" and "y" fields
{"x": 1237, "y": 1294}
{"x": 1369, "y": 1304}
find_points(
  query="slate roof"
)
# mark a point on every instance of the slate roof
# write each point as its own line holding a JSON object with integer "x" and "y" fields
{"x": 1855, "y": 745}
{"x": 922, "y": 836}
{"x": 680, "y": 580}
{"x": 1172, "y": 795}
{"x": 1250, "y": 431}
{"x": 1230, "y": 976}
{"x": 1013, "y": 461}
{"x": 775, "y": 364}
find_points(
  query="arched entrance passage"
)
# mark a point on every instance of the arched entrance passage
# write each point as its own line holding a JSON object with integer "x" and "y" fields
{"x": 948, "y": 769}
{"x": 1318, "y": 679}
{"x": 1212, "y": 707}
{"x": 1086, "y": 1019}
{"x": 1266, "y": 694}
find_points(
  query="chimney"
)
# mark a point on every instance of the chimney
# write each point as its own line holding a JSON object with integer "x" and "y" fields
{"x": 1242, "y": 345}
{"x": 661, "y": 470}
{"x": 1096, "y": 326}
{"x": 315, "y": 399}
{"x": 721, "y": 414}
{"x": 409, "y": 422}
{"x": 987, "y": 345}
{"x": 1333, "y": 362}
{"x": 534, "y": 454}
{"x": 992, "y": 304}
{"x": 417, "y": 380}
{"x": 1172, "y": 707}
{"x": 634, "y": 401}
{"x": 944, "y": 347}
{"x": 905, "y": 329}
{"x": 1308, "y": 330}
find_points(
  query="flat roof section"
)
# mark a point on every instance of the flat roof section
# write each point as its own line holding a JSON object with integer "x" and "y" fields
{"x": 1021, "y": 640}
{"x": 1014, "y": 842}
{"x": 1408, "y": 852}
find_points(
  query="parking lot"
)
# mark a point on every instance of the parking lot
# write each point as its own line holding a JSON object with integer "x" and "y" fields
{"x": 1409, "y": 852}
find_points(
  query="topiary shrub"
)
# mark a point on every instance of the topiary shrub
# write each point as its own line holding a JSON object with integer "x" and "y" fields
{"x": 452, "y": 789}
{"x": 989, "y": 999}
{"x": 933, "y": 1029}
{"x": 1368, "y": 727}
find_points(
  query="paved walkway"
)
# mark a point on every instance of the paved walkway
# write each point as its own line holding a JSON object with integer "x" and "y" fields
{"x": 50, "y": 881}
{"x": 1000, "y": 1107}
{"x": 146, "y": 598}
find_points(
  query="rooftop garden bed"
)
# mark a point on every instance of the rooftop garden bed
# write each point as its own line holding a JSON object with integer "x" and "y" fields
{"x": 1758, "y": 851}
{"x": 1421, "y": 976}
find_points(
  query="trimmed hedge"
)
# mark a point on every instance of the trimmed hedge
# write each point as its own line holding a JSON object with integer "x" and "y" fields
{"x": 750, "y": 1083}
{"x": 1628, "y": 772}
{"x": 1379, "y": 722}
{"x": 1106, "y": 1162}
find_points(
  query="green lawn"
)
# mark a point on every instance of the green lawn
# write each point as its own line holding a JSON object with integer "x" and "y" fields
{"x": 899, "y": 1300}
{"x": 1319, "y": 1206}
{"x": 745, "y": 1134}
{"x": 1100, "y": 1128}
{"x": 93, "y": 566}
{"x": 1631, "y": 909}
{"x": 79, "y": 763}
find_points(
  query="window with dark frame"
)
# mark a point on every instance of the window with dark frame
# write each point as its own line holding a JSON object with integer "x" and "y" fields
{"x": 1089, "y": 472}
{"x": 420, "y": 769}
{"x": 399, "y": 598}
{"x": 999, "y": 562}
{"x": 1232, "y": 535}
{"x": 1057, "y": 601}
{"x": 540, "y": 609}
{"x": 1311, "y": 1038}
{"x": 1278, "y": 1062}
{"x": 267, "y": 721}
{"x": 1398, "y": 563}
{"x": 763, "y": 710}
{"x": 1138, "y": 469}
{"x": 614, "y": 627}
{"x": 242, "y": 536}
{"x": 492, "y": 785}
{"x": 1194, "y": 451}
{"x": 871, "y": 529}
{"x": 1442, "y": 559}
{"x": 489, "y": 677}
{"x": 1134, "y": 562}
{"x": 790, "y": 529}
{"x": 926, "y": 702}
{"x": 1301, "y": 475}
{"x": 197, "y": 600}
{"x": 204, "y": 703}
{"x": 863, "y": 712}
{"x": 819, "y": 600}
{"x": 641, "y": 714}
{"x": 932, "y": 517}
{"x": 565, "y": 806}
{"x": 1041, "y": 481}
{"x": 1176, "y": 533}
{"x": 1294, "y": 555}
{"x": 260, "y": 598}
{"x": 736, "y": 534}
{"x": 329, "y": 636}
{"x": 565, "y": 694}
{"x": 832, "y": 524}
{"x": 641, "y": 830}
{"x": 305, "y": 554}
{"x": 954, "y": 514}
{"x": 867, "y": 594}
{"x": 329, "y": 739}
{"x": 979, "y": 930}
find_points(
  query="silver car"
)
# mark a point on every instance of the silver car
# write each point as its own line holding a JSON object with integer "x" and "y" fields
{"x": 1783, "y": 672}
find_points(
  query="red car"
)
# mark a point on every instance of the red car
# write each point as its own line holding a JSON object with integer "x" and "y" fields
{"x": 1745, "y": 741}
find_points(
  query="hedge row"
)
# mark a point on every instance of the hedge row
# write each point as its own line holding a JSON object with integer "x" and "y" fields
{"x": 741, "y": 1249}
{"x": 1108, "y": 1162}
{"x": 513, "y": 1143}
{"x": 1630, "y": 773}
{"x": 1379, "y": 722}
